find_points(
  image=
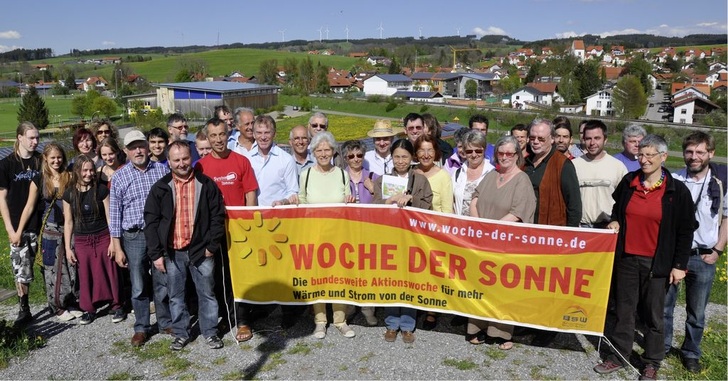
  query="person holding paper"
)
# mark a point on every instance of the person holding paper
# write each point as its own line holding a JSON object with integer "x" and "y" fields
{"x": 415, "y": 192}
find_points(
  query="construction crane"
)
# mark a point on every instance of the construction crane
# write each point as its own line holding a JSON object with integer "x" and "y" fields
{"x": 454, "y": 55}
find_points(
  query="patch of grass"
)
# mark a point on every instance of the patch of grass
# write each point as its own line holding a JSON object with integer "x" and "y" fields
{"x": 300, "y": 349}
{"x": 495, "y": 353}
{"x": 367, "y": 357}
{"x": 236, "y": 375}
{"x": 246, "y": 347}
{"x": 713, "y": 359}
{"x": 536, "y": 373}
{"x": 718, "y": 293}
{"x": 187, "y": 377}
{"x": 123, "y": 376}
{"x": 343, "y": 368}
{"x": 219, "y": 361}
{"x": 460, "y": 364}
{"x": 318, "y": 345}
{"x": 275, "y": 360}
{"x": 15, "y": 342}
{"x": 174, "y": 364}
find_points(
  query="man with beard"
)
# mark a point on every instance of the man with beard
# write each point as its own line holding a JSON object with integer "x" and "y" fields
{"x": 563, "y": 139}
{"x": 299, "y": 138}
{"x": 126, "y": 213}
{"x": 707, "y": 184}
{"x": 185, "y": 219}
{"x": 244, "y": 118}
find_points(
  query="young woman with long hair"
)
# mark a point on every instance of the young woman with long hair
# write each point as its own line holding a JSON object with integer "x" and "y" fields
{"x": 86, "y": 213}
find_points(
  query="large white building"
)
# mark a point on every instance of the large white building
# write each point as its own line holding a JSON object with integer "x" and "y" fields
{"x": 600, "y": 103}
{"x": 387, "y": 84}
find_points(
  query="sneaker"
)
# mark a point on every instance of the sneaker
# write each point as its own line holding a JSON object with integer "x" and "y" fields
{"x": 346, "y": 330}
{"x": 87, "y": 318}
{"x": 608, "y": 366}
{"x": 76, "y": 313}
{"x": 368, "y": 313}
{"x": 649, "y": 373}
{"x": 320, "y": 331}
{"x": 65, "y": 316}
{"x": 214, "y": 342}
{"x": 119, "y": 316}
{"x": 178, "y": 343}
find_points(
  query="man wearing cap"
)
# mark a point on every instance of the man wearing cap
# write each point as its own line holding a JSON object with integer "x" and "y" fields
{"x": 379, "y": 160}
{"x": 126, "y": 212}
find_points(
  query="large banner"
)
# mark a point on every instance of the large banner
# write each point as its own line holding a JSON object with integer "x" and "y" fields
{"x": 529, "y": 275}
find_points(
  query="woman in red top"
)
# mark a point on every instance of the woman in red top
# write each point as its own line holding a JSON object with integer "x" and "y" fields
{"x": 653, "y": 215}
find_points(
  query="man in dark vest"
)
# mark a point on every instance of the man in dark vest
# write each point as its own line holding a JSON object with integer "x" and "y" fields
{"x": 558, "y": 201}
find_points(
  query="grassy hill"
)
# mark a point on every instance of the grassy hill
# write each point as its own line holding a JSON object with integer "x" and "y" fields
{"x": 162, "y": 68}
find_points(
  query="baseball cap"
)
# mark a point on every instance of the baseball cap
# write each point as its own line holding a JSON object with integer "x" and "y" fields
{"x": 133, "y": 136}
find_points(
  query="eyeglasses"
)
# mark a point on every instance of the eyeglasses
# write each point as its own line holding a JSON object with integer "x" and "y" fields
{"x": 541, "y": 139}
{"x": 505, "y": 154}
{"x": 318, "y": 125}
{"x": 473, "y": 151}
{"x": 355, "y": 155}
{"x": 413, "y": 128}
{"x": 425, "y": 151}
{"x": 182, "y": 127}
{"x": 103, "y": 132}
{"x": 648, "y": 156}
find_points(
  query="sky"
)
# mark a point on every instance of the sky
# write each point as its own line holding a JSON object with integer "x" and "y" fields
{"x": 99, "y": 24}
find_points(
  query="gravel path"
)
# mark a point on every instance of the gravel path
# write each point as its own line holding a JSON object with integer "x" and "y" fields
{"x": 101, "y": 350}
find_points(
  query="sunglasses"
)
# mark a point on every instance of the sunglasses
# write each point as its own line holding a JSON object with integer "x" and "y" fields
{"x": 506, "y": 154}
{"x": 103, "y": 132}
{"x": 414, "y": 128}
{"x": 355, "y": 155}
{"x": 473, "y": 151}
{"x": 321, "y": 126}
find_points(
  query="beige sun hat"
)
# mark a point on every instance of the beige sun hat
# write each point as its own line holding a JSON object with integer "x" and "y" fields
{"x": 383, "y": 128}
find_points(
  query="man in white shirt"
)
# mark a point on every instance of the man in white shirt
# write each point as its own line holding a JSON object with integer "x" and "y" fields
{"x": 599, "y": 174}
{"x": 244, "y": 118}
{"x": 379, "y": 160}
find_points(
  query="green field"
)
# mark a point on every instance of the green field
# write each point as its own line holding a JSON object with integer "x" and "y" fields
{"x": 56, "y": 106}
{"x": 163, "y": 68}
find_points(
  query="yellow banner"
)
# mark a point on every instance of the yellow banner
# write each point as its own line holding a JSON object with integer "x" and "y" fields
{"x": 529, "y": 275}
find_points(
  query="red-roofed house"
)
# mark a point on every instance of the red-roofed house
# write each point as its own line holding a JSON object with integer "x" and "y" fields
{"x": 95, "y": 83}
{"x": 680, "y": 87}
{"x": 577, "y": 50}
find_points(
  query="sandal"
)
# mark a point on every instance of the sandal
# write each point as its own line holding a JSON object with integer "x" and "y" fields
{"x": 504, "y": 345}
{"x": 475, "y": 338}
{"x": 244, "y": 334}
{"x": 430, "y": 322}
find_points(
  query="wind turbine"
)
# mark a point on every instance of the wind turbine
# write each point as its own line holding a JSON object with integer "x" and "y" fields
{"x": 283, "y": 35}
{"x": 327, "y": 32}
{"x": 458, "y": 30}
{"x": 347, "y": 33}
{"x": 320, "y": 30}
{"x": 381, "y": 29}
{"x": 420, "y": 33}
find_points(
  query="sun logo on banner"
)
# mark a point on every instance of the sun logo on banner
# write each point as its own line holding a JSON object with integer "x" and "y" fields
{"x": 254, "y": 227}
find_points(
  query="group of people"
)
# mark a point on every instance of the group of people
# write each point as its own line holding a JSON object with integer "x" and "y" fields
{"x": 157, "y": 210}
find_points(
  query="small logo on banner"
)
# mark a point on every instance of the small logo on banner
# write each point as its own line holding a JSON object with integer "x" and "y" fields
{"x": 257, "y": 223}
{"x": 574, "y": 317}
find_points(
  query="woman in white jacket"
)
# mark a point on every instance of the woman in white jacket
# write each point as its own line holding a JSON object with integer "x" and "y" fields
{"x": 467, "y": 177}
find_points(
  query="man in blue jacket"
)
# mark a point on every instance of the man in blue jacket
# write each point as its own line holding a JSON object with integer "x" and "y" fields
{"x": 185, "y": 223}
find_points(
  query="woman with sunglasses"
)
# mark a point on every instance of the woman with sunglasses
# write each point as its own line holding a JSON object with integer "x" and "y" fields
{"x": 103, "y": 129}
{"x": 468, "y": 176}
{"x": 505, "y": 194}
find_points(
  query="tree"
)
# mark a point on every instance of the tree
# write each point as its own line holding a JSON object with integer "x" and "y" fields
{"x": 104, "y": 106}
{"x": 322, "y": 80}
{"x": 268, "y": 72}
{"x": 394, "y": 67}
{"x": 57, "y": 89}
{"x": 191, "y": 70}
{"x": 71, "y": 81}
{"x": 306, "y": 78}
{"x": 642, "y": 70}
{"x": 629, "y": 98}
{"x": 587, "y": 74}
{"x": 33, "y": 109}
{"x": 533, "y": 72}
{"x": 83, "y": 105}
{"x": 569, "y": 89}
{"x": 509, "y": 84}
{"x": 471, "y": 89}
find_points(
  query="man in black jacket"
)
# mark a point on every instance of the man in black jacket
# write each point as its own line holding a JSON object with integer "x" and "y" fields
{"x": 185, "y": 219}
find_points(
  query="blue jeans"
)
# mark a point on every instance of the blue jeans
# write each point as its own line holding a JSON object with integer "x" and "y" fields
{"x": 402, "y": 318}
{"x": 698, "y": 283}
{"x": 140, "y": 268}
{"x": 202, "y": 270}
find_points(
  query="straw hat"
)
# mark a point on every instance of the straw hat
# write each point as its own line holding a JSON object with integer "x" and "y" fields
{"x": 383, "y": 128}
